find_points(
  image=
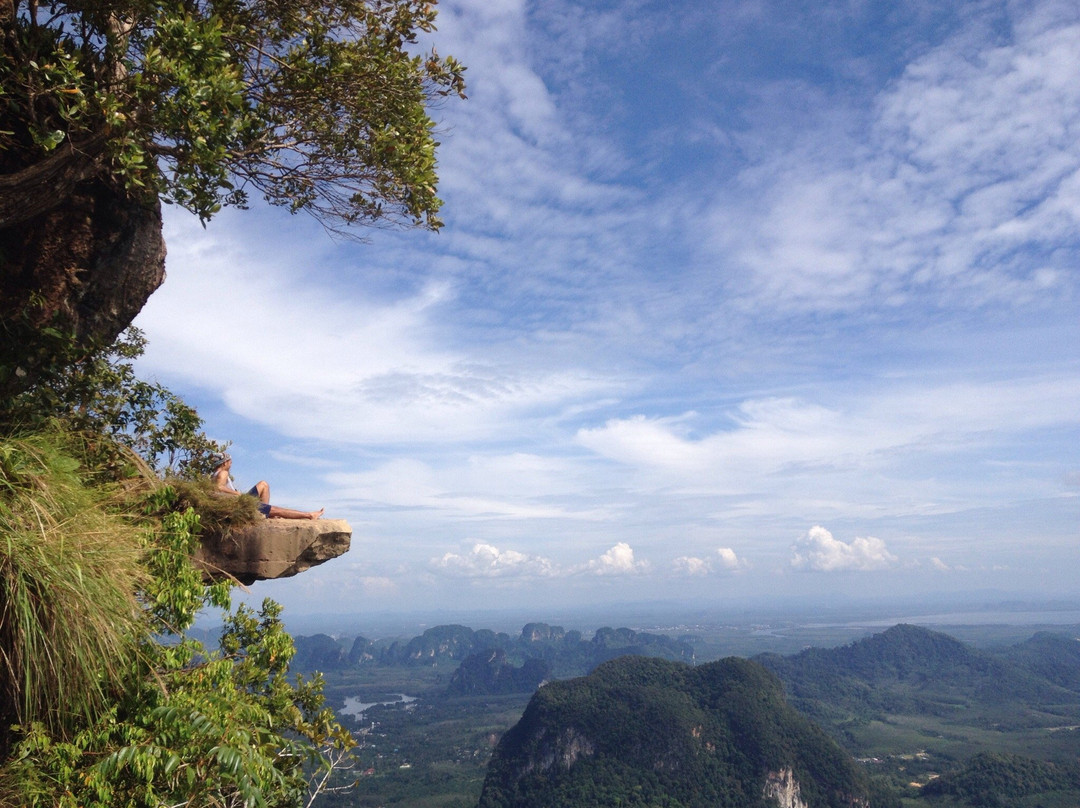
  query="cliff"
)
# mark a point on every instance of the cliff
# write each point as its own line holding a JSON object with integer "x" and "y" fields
{"x": 273, "y": 548}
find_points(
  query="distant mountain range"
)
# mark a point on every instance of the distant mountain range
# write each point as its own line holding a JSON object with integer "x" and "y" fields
{"x": 550, "y": 651}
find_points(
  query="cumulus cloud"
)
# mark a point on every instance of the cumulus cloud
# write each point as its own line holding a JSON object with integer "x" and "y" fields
{"x": 727, "y": 559}
{"x": 619, "y": 560}
{"x": 689, "y": 565}
{"x": 820, "y": 552}
{"x": 723, "y": 559}
{"x": 487, "y": 561}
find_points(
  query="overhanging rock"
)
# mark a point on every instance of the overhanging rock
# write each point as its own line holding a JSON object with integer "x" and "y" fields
{"x": 273, "y": 548}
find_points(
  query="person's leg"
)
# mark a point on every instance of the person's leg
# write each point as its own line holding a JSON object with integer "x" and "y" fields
{"x": 289, "y": 513}
{"x": 261, "y": 491}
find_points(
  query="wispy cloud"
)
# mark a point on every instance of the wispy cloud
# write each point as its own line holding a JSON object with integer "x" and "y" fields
{"x": 958, "y": 184}
{"x": 701, "y": 285}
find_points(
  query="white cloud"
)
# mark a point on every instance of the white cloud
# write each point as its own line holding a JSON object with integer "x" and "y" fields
{"x": 689, "y": 565}
{"x": 767, "y": 442}
{"x": 311, "y": 361}
{"x": 725, "y": 559}
{"x": 619, "y": 560}
{"x": 962, "y": 185}
{"x": 519, "y": 487}
{"x": 566, "y": 362}
{"x": 486, "y": 561}
{"x": 820, "y": 552}
{"x": 939, "y": 565}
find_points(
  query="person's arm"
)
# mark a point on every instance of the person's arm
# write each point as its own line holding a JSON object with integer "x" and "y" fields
{"x": 221, "y": 483}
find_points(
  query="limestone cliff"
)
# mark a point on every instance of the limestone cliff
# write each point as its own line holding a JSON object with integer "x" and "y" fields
{"x": 782, "y": 788}
{"x": 274, "y": 548}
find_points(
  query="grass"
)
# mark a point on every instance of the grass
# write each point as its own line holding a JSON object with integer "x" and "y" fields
{"x": 70, "y": 565}
{"x": 218, "y": 514}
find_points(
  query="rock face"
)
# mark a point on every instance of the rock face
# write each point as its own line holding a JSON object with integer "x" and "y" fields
{"x": 274, "y": 548}
{"x": 782, "y": 788}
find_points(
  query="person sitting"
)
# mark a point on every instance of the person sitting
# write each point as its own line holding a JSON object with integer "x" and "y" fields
{"x": 261, "y": 491}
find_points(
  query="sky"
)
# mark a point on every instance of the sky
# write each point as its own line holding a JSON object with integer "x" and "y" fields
{"x": 733, "y": 299}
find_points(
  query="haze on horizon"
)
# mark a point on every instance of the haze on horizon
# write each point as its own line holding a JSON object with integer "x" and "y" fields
{"x": 751, "y": 299}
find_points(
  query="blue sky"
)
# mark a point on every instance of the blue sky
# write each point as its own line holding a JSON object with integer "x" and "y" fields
{"x": 733, "y": 298}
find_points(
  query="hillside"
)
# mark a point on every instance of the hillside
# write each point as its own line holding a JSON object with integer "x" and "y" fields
{"x": 1055, "y": 657}
{"x": 911, "y": 670}
{"x": 639, "y": 731}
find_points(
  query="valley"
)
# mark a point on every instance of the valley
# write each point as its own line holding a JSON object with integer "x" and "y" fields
{"x": 910, "y": 705}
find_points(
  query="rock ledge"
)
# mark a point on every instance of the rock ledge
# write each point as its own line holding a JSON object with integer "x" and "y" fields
{"x": 273, "y": 548}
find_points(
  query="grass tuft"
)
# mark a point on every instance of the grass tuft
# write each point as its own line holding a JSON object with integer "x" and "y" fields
{"x": 70, "y": 565}
{"x": 218, "y": 513}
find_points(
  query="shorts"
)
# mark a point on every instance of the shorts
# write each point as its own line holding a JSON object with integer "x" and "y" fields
{"x": 264, "y": 509}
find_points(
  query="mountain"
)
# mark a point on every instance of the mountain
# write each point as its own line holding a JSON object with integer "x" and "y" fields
{"x": 907, "y": 670}
{"x": 1055, "y": 657}
{"x": 564, "y": 653}
{"x": 319, "y": 652}
{"x": 643, "y": 731}
{"x": 489, "y": 673}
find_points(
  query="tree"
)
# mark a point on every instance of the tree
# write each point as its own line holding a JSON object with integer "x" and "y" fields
{"x": 111, "y": 106}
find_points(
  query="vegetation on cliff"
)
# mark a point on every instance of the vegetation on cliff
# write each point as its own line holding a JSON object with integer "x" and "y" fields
{"x": 105, "y": 701}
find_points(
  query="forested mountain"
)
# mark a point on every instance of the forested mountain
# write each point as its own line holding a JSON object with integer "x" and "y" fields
{"x": 1055, "y": 657}
{"x": 908, "y": 669}
{"x": 652, "y": 732}
{"x": 490, "y": 673}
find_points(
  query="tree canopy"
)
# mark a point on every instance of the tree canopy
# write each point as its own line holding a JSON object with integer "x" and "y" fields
{"x": 110, "y": 107}
{"x": 318, "y": 105}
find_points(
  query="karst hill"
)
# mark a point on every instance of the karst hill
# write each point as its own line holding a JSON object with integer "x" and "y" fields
{"x": 653, "y": 732}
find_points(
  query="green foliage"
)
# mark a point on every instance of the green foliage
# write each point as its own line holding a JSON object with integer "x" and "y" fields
{"x": 70, "y": 565}
{"x": 991, "y": 780}
{"x": 317, "y": 104}
{"x": 172, "y": 722}
{"x": 98, "y": 395}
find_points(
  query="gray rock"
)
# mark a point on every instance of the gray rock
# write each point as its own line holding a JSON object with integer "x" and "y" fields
{"x": 273, "y": 548}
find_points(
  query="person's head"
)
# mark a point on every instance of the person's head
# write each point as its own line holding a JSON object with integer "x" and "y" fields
{"x": 221, "y": 460}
